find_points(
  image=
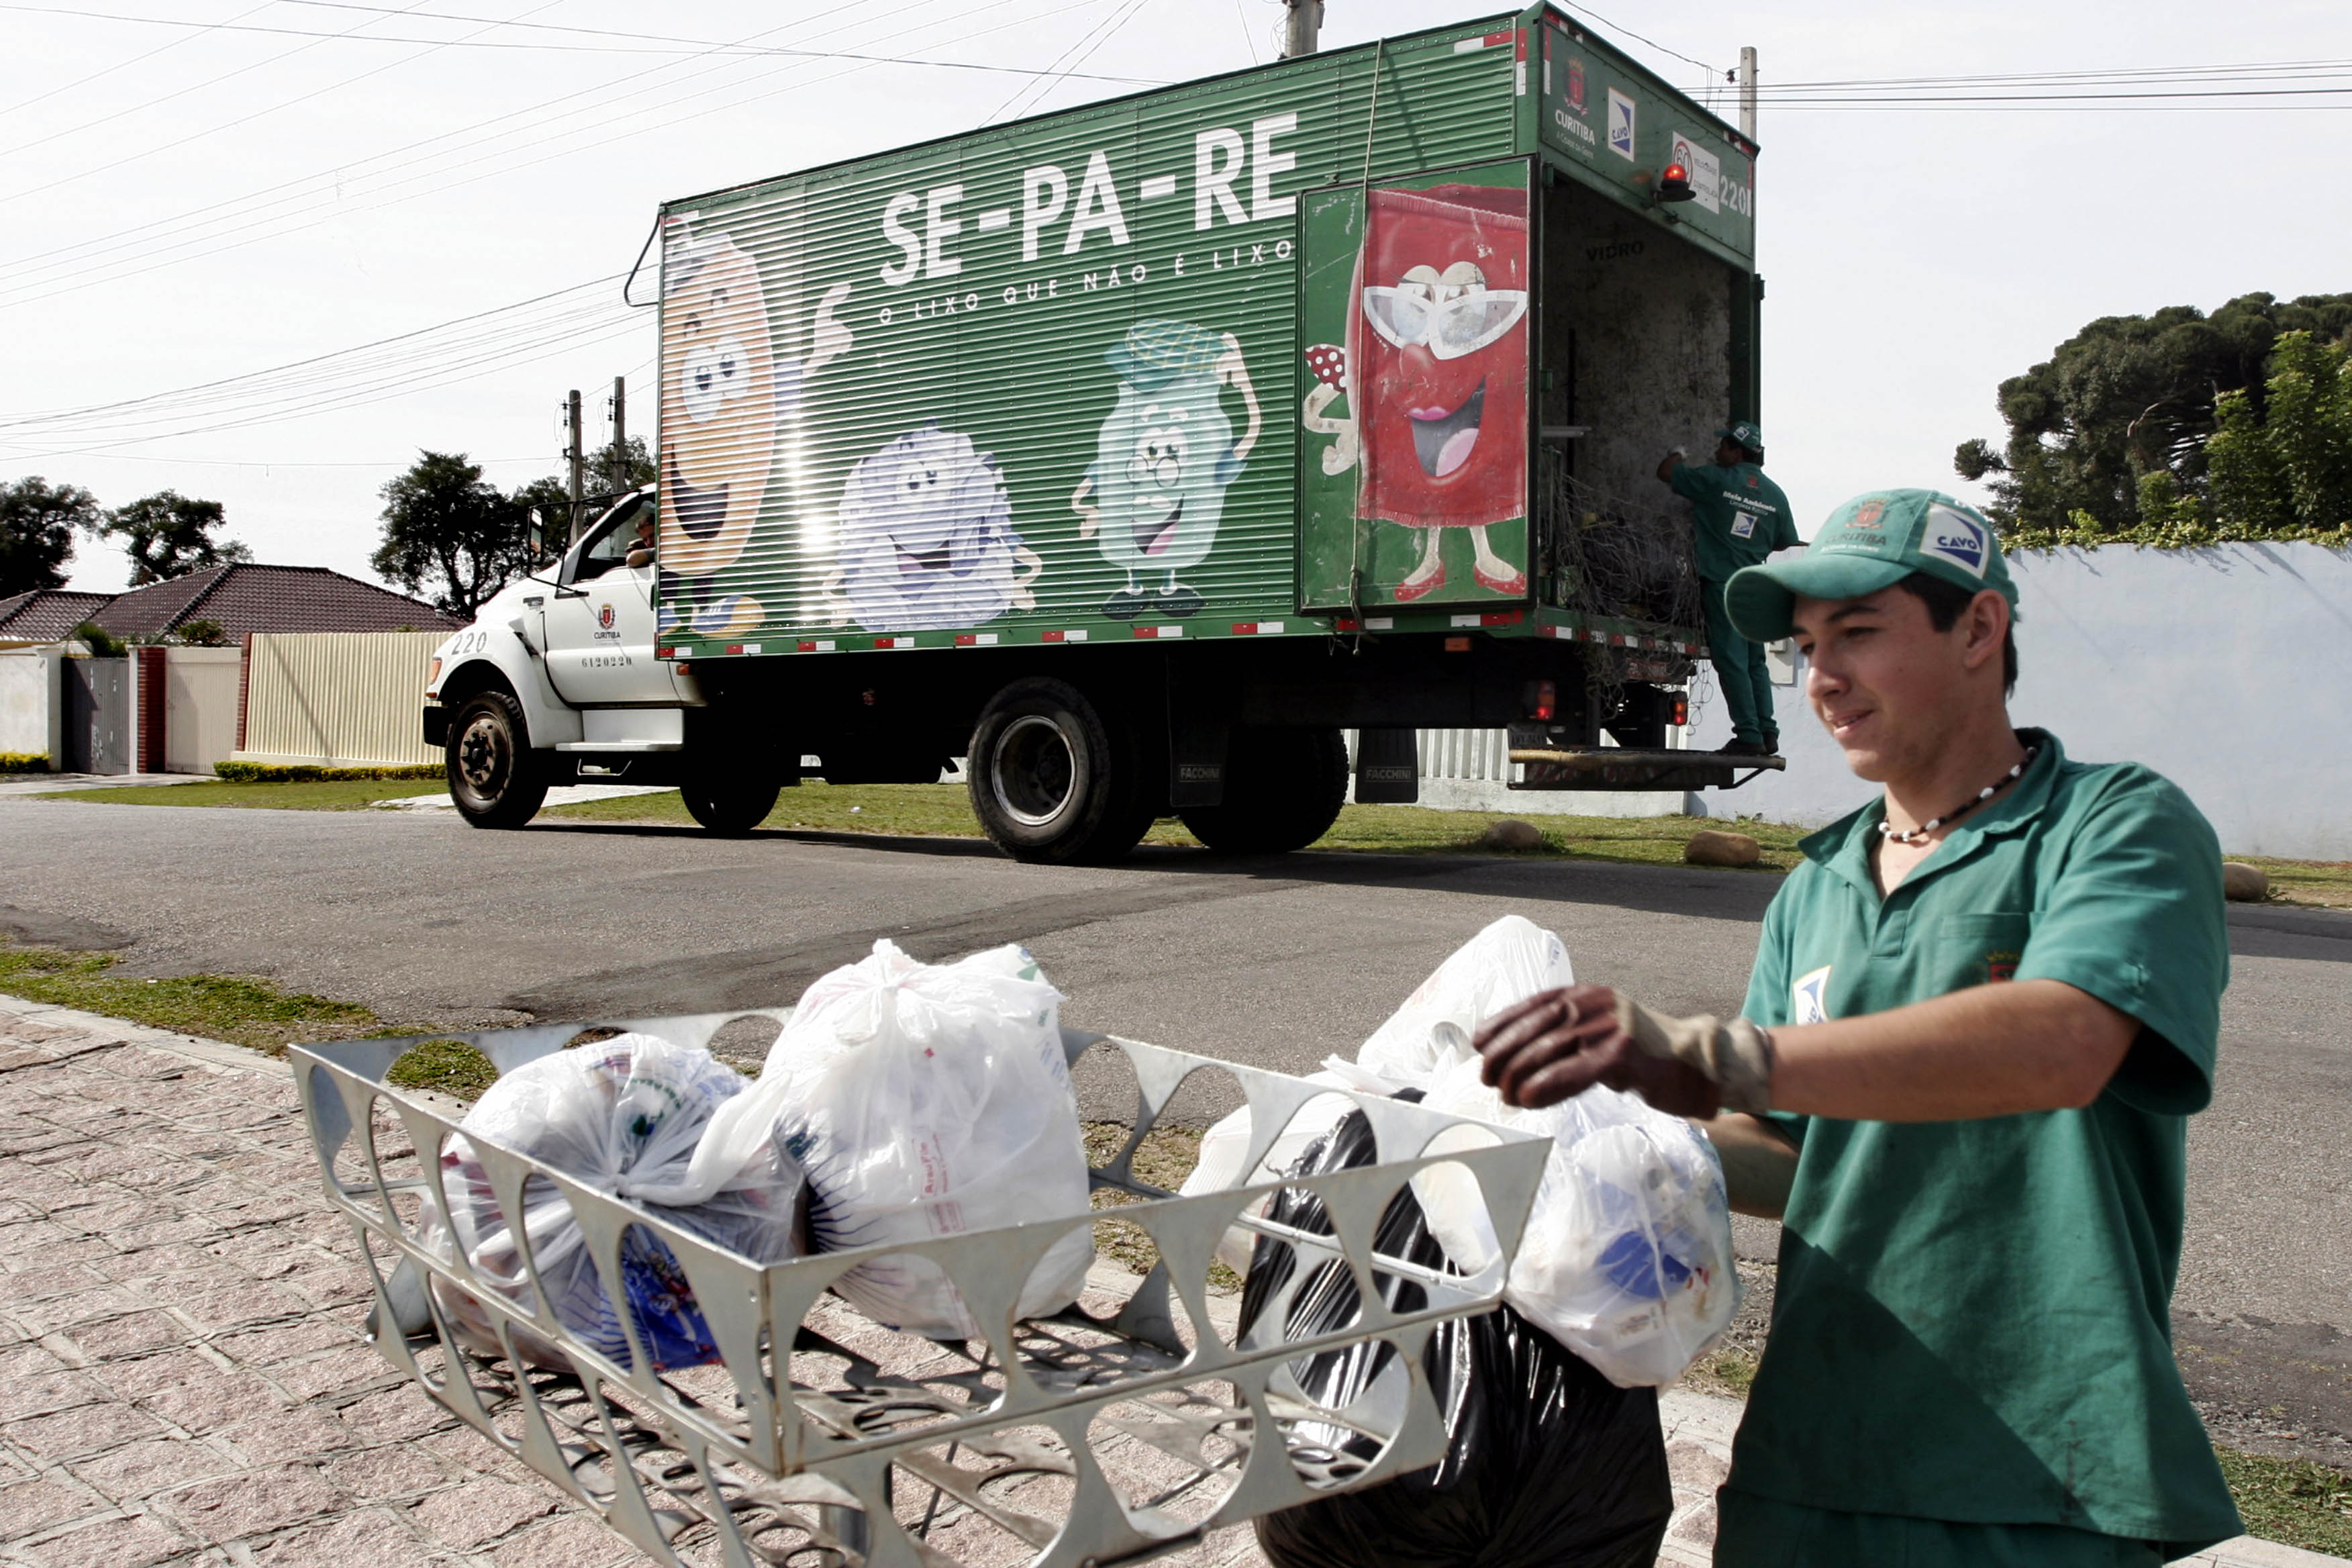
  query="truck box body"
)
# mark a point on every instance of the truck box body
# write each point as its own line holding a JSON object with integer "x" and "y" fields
{"x": 1134, "y": 452}
{"x": 1221, "y": 360}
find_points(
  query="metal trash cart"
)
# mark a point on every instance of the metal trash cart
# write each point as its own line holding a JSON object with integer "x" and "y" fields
{"x": 1121, "y": 1429}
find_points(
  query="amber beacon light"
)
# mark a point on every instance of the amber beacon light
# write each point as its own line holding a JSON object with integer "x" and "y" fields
{"x": 1674, "y": 184}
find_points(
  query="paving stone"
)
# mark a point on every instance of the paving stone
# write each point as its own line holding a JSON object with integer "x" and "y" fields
{"x": 132, "y": 1542}
{"x": 342, "y": 1371}
{"x": 395, "y": 1413}
{"x": 573, "y": 1541}
{"x": 81, "y": 1306}
{"x": 290, "y": 1342}
{"x": 89, "y": 1430}
{"x": 139, "y": 1469}
{"x": 214, "y": 1400}
{"x": 306, "y": 1433}
{"x": 133, "y": 1335}
{"x": 31, "y": 1507}
{"x": 394, "y": 1470}
{"x": 370, "y": 1538}
{"x": 481, "y": 1511}
{"x": 37, "y": 1394}
{"x": 46, "y": 1279}
{"x": 252, "y": 1502}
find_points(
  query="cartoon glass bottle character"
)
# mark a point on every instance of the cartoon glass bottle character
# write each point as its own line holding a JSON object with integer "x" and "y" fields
{"x": 1163, "y": 460}
{"x": 1435, "y": 375}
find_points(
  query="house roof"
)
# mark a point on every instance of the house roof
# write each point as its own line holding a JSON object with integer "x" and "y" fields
{"x": 243, "y": 597}
{"x": 47, "y": 614}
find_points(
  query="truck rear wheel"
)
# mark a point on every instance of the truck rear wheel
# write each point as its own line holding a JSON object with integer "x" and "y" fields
{"x": 495, "y": 778}
{"x": 1283, "y": 789}
{"x": 730, "y": 806}
{"x": 1051, "y": 781}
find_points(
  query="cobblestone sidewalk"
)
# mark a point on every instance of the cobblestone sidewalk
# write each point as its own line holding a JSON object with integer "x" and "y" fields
{"x": 182, "y": 1378}
{"x": 183, "y": 1375}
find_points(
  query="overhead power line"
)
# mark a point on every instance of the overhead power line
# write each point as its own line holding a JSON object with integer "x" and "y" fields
{"x": 642, "y": 44}
{"x": 463, "y": 156}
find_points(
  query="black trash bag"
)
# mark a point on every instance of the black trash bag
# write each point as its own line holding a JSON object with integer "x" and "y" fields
{"x": 1548, "y": 1463}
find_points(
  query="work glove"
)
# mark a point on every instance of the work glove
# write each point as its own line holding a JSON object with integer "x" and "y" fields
{"x": 1556, "y": 1043}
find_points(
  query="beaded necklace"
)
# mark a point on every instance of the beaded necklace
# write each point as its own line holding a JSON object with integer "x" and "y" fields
{"x": 1920, "y": 834}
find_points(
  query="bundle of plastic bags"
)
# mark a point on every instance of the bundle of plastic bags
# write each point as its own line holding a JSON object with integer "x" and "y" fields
{"x": 1626, "y": 1258}
{"x": 624, "y": 1116}
{"x": 1546, "y": 1466}
{"x": 923, "y": 1100}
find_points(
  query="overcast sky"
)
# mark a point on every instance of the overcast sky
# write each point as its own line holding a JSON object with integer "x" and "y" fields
{"x": 179, "y": 206}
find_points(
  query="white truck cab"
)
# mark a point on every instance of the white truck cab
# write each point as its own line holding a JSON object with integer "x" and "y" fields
{"x": 557, "y": 681}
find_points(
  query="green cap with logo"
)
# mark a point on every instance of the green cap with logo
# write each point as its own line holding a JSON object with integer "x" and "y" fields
{"x": 1744, "y": 434}
{"x": 1873, "y": 541}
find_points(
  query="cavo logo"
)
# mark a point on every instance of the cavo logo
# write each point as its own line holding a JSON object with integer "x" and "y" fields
{"x": 1956, "y": 537}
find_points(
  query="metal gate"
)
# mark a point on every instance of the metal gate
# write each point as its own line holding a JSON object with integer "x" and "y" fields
{"x": 98, "y": 716}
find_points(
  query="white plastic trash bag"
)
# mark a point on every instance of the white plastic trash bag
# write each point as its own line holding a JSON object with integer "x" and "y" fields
{"x": 1626, "y": 1258}
{"x": 623, "y": 1116}
{"x": 925, "y": 1101}
{"x": 1509, "y": 961}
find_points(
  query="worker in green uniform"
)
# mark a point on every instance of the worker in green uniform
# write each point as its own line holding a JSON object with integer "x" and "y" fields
{"x": 1982, "y": 1011}
{"x": 1740, "y": 518}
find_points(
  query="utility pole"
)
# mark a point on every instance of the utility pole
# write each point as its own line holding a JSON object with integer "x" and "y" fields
{"x": 620, "y": 463}
{"x": 573, "y": 408}
{"x": 1748, "y": 92}
{"x": 1298, "y": 35}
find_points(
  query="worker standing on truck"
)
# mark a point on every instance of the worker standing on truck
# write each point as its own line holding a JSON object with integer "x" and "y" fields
{"x": 1982, "y": 1011}
{"x": 1740, "y": 517}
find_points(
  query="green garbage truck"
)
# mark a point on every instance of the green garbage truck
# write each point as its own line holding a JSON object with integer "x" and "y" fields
{"x": 1140, "y": 453}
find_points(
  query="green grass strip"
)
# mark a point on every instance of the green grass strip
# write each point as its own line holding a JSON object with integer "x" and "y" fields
{"x": 232, "y": 1007}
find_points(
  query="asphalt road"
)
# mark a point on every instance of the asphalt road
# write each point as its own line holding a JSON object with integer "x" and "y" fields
{"x": 1279, "y": 962}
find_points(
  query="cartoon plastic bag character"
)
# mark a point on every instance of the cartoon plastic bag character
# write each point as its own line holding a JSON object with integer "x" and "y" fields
{"x": 1163, "y": 460}
{"x": 1435, "y": 374}
{"x": 927, "y": 537}
{"x": 725, "y": 396}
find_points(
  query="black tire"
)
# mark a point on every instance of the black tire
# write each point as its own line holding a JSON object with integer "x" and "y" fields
{"x": 495, "y": 778}
{"x": 728, "y": 804}
{"x": 1051, "y": 781}
{"x": 1283, "y": 789}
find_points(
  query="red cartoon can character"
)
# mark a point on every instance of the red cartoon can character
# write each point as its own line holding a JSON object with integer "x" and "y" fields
{"x": 1438, "y": 353}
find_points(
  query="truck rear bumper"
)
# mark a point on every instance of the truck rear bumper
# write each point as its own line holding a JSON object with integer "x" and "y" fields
{"x": 436, "y": 725}
{"x": 1624, "y": 768}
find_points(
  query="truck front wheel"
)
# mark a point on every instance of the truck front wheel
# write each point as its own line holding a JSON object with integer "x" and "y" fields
{"x": 1051, "y": 781}
{"x": 1283, "y": 789}
{"x": 495, "y": 778}
{"x": 729, "y": 806}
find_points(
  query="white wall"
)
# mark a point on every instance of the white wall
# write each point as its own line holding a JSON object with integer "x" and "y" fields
{"x": 2228, "y": 670}
{"x": 27, "y": 690}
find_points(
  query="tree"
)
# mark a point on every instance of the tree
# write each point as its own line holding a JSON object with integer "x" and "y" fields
{"x": 447, "y": 532}
{"x": 2278, "y": 465}
{"x": 2126, "y": 399}
{"x": 168, "y": 534}
{"x": 38, "y": 521}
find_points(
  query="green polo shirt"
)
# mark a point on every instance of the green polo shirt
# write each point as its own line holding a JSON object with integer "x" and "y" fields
{"x": 1741, "y": 517}
{"x": 1972, "y": 1319}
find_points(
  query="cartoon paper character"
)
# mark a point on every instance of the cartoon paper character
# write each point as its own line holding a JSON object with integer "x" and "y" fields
{"x": 725, "y": 394}
{"x": 927, "y": 538}
{"x": 1164, "y": 459}
{"x": 1435, "y": 374}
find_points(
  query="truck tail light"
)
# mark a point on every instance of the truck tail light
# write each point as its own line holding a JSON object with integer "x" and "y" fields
{"x": 1678, "y": 711}
{"x": 1546, "y": 703}
{"x": 433, "y": 676}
